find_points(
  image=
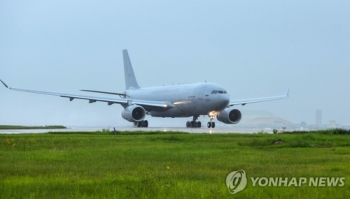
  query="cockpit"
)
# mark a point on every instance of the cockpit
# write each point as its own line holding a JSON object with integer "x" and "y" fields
{"x": 218, "y": 92}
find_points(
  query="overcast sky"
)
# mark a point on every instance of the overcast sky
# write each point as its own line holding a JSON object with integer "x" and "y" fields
{"x": 252, "y": 48}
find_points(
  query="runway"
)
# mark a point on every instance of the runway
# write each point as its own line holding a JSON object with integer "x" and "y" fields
{"x": 190, "y": 130}
{"x": 164, "y": 129}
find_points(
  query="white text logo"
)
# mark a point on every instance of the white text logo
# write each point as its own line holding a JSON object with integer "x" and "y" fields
{"x": 236, "y": 181}
{"x": 297, "y": 182}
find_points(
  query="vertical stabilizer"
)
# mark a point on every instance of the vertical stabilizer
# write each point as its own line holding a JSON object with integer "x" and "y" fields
{"x": 130, "y": 79}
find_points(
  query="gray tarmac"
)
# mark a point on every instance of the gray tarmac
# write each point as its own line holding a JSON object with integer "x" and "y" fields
{"x": 190, "y": 130}
{"x": 164, "y": 129}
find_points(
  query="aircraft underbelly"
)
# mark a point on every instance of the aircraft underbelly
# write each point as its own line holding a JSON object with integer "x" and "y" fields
{"x": 174, "y": 112}
{"x": 184, "y": 110}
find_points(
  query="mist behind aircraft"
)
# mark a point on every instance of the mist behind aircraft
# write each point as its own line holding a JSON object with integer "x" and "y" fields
{"x": 253, "y": 48}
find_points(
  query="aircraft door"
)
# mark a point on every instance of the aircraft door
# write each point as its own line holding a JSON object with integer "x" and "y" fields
{"x": 200, "y": 92}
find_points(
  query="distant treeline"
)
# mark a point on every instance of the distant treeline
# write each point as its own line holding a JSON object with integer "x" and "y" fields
{"x": 325, "y": 131}
{"x": 7, "y": 127}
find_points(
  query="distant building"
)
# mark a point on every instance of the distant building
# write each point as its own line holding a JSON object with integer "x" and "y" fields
{"x": 319, "y": 118}
{"x": 269, "y": 122}
{"x": 347, "y": 125}
{"x": 261, "y": 119}
{"x": 333, "y": 124}
{"x": 251, "y": 114}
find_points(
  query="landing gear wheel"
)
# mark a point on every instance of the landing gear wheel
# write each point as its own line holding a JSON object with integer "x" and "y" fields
{"x": 145, "y": 123}
{"x": 194, "y": 123}
{"x": 209, "y": 124}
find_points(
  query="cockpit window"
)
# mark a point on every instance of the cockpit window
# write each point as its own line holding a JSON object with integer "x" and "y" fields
{"x": 220, "y": 92}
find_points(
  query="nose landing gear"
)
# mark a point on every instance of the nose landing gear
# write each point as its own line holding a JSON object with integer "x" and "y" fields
{"x": 211, "y": 115}
{"x": 211, "y": 124}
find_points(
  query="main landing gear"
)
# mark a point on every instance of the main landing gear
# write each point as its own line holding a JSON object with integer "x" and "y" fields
{"x": 194, "y": 123}
{"x": 143, "y": 123}
{"x": 197, "y": 124}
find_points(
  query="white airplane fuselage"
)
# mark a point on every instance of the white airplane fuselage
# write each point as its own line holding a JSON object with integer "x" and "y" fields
{"x": 188, "y": 99}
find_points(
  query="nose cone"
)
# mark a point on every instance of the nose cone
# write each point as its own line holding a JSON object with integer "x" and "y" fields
{"x": 224, "y": 100}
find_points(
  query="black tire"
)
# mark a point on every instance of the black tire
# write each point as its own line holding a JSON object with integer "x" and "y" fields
{"x": 199, "y": 124}
{"x": 213, "y": 125}
{"x": 188, "y": 124}
{"x": 209, "y": 124}
{"x": 139, "y": 124}
{"x": 145, "y": 123}
{"x": 193, "y": 124}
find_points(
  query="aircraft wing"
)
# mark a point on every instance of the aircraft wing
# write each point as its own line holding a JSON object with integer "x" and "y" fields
{"x": 104, "y": 92}
{"x": 93, "y": 99}
{"x": 255, "y": 100}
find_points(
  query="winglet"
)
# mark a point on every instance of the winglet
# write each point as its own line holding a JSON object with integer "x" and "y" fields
{"x": 287, "y": 93}
{"x": 4, "y": 84}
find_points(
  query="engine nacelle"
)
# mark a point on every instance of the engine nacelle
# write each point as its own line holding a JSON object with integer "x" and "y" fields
{"x": 229, "y": 116}
{"x": 134, "y": 113}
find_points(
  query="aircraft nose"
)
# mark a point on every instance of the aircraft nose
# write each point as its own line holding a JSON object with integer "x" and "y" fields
{"x": 225, "y": 100}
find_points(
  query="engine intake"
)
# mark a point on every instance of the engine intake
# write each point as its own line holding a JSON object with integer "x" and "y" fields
{"x": 134, "y": 113}
{"x": 229, "y": 116}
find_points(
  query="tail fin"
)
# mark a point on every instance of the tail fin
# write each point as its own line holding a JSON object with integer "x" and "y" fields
{"x": 130, "y": 79}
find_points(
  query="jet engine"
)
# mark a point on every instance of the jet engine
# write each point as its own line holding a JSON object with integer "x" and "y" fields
{"x": 134, "y": 113}
{"x": 229, "y": 116}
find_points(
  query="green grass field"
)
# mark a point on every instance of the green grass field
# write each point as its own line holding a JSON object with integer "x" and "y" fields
{"x": 168, "y": 165}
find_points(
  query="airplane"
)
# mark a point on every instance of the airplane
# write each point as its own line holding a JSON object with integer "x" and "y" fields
{"x": 183, "y": 100}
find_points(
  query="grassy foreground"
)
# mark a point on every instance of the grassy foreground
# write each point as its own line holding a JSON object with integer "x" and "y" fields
{"x": 167, "y": 165}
